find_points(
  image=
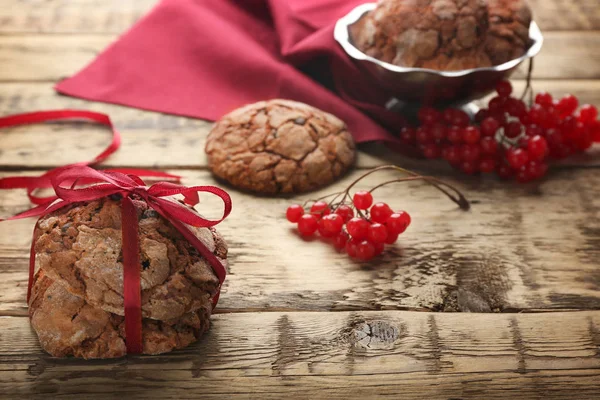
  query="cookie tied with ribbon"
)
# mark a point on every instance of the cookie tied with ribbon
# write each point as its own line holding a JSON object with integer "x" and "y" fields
{"x": 122, "y": 268}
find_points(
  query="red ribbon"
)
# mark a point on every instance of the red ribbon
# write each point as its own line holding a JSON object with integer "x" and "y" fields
{"x": 31, "y": 183}
{"x": 65, "y": 179}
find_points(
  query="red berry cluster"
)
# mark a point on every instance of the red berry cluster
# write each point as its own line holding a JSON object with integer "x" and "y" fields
{"x": 507, "y": 137}
{"x": 363, "y": 236}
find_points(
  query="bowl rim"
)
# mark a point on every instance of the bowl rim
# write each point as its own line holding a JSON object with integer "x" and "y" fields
{"x": 342, "y": 35}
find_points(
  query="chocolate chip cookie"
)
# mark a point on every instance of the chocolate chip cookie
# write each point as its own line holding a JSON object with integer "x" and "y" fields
{"x": 279, "y": 146}
{"x": 78, "y": 252}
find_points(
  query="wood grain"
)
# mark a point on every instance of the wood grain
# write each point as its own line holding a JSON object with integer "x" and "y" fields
{"x": 333, "y": 355}
{"x": 520, "y": 247}
{"x": 156, "y": 140}
{"x": 115, "y": 16}
{"x": 65, "y": 16}
{"x": 565, "y": 54}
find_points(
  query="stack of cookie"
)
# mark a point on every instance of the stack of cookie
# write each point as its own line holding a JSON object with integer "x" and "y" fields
{"x": 76, "y": 304}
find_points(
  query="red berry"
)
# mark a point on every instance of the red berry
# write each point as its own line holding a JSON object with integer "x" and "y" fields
{"x": 345, "y": 212}
{"x": 365, "y": 250}
{"x": 362, "y": 199}
{"x": 379, "y": 247}
{"x": 526, "y": 119}
{"x": 454, "y": 134}
{"x": 499, "y": 116}
{"x": 323, "y": 231}
{"x": 468, "y": 167}
{"x": 294, "y": 212}
{"x": 408, "y": 135}
{"x": 333, "y": 223}
{"x": 460, "y": 118}
{"x": 567, "y": 105}
{"x": 471, "y": 134}
{"x": 504, "y": 88}
{"x": 533, "y": 130}
{"x": 423, "y": 135}
{"x": 428, "y": 115}
{"x": 452, "y": 154}
{"x": 536, "y": 170}
{"x": 489, "y": 146}
{"x": 554, "y": 137}
{"x": 320, "y": 209}
{"x": 339, "y": 242}
{"x": 513, "y": 129}
{"x": 544, "y": 99}
{"x": 497, "y": 104}
{"x": 482, "y": 114}
{"x": 448, "y": 115}
{"x": 537, "y": 147}
{"x": 470, "y": 152}
{"x": 308, "y": 224}
{"x": 489, "y": 126}
{"x": 398, "y": 222}
{"x": 504, "y": 171}
{"x": 380, "y": 212}
{"x": 431, "y": 151}
{"x": 537, "y": 114}
{"x": 392, "y": 238}
{"x": 487, "y": 165}
{"x": 377, "y": 233}
{"x": 351, "y": 247}
{"x": 437, "y": 131}
{"x": 551, "y": 119}
{"x": 516, "y": 107}
{"x": 523, "y": 175}
{"x": 358, "y": 228}
{"x": 517, "y": 158}
{"x": 588, "y": 113}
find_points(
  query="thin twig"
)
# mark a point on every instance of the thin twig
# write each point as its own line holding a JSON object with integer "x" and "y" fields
{"x": 528, "y": 87}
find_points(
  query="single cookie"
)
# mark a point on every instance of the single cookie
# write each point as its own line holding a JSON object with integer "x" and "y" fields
{"x": 279, "y": 146}
{"x": 67, "y": 325}
{"x": 79, "y": 247}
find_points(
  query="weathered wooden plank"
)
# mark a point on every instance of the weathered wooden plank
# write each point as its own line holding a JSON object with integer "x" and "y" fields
{"x": 333, "y": 355}
{"x": 64, "y": 16}
{"x": 114, "y": 16}
{"x": 33, "y": 57}
{"x": 164, "y": 141}
{"x": 520, "y": 247}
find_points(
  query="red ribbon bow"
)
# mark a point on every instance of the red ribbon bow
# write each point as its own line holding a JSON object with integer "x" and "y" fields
{"x": 110, "y": 183}
{"x": 125, "y": 183}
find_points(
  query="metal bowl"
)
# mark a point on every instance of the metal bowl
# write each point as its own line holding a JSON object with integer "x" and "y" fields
{"x": 428, "y": 86}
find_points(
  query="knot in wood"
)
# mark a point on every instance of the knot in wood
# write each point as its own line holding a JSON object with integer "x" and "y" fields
{"x": 375, "y": 335}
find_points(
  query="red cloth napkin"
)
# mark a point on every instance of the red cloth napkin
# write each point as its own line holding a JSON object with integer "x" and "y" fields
{"x": 203, "y": 58}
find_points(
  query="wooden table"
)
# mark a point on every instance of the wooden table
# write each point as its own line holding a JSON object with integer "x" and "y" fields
{"x": 498, "y": 302}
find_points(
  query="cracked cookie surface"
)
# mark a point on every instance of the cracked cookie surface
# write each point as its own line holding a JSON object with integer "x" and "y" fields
{"x": 79, "y": 247}
{"x": 67, "y": 325}
{"x": 444, "y": 34}
{"x": 279, "y": 146}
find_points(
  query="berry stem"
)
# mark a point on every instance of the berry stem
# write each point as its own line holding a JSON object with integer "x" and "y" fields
{"x": 459, "y": 199}
{"x": 528, "y": 88}
{"x": 324, "y": 197}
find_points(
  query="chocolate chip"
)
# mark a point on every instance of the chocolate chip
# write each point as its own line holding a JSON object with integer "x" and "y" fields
{"x": 149, "y": 214}
{"x": 116, "y": 196}
{"x": 65, "y": 227}
{"x": 145, "y": 264}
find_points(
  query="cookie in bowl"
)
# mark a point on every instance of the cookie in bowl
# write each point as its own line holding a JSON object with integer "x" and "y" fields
{"x": 445, "y": 35}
